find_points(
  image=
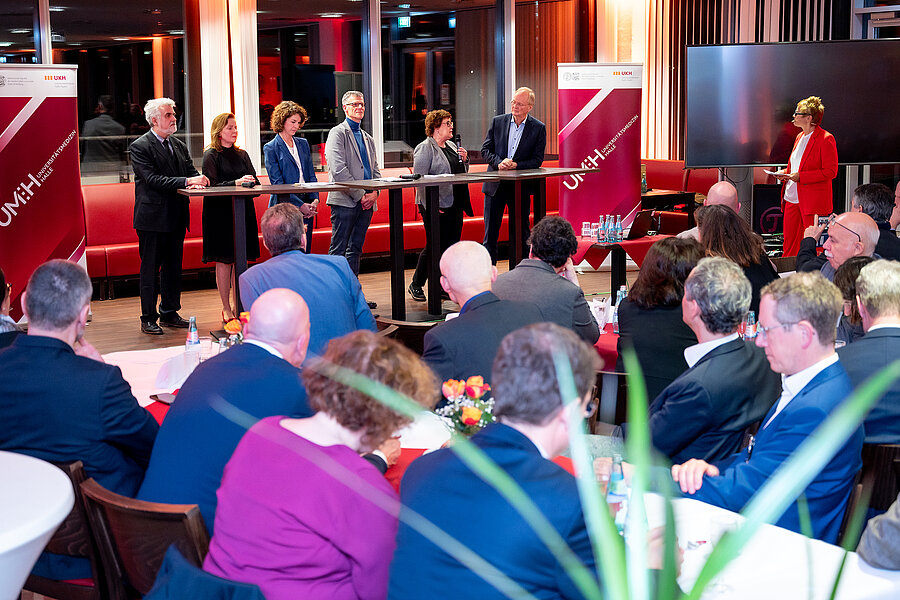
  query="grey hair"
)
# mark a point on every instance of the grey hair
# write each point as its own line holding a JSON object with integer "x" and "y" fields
{"x": 56, "y": 293}
{"x": 282, "y": 228}
{"x": 876, "y": 200}
{"x": 807, "y": 297}
{"x": 878, "y": 288}
{"x": 528, "y": 91}
{"x": 722, "y": 291}
{"x": 153, "y": 108}
{"x": 351, "y": 94}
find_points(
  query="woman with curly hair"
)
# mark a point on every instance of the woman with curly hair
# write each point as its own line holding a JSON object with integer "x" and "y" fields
{"x": 301, "y": 514}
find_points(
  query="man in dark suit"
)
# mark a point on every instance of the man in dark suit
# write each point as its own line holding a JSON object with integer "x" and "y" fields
{"x": 796, "y": 328}
{"x": 466, "y": 345}
{"x": 103, "y": 139}
{"x": 548, "y": 279}
{"x": 877, "y": 201}
{"x": 162, "y": 166}
{"x": 513, "y": 141}
{"x": 260, "y": 378}
{"x": 878, "y": 298}
{"x": 331, "y": 290}
{"x": 59, "y": 400}
{"x": 849, "y": 234}
{"x": 532, "y": 428}
{"x": 729, "y": 385}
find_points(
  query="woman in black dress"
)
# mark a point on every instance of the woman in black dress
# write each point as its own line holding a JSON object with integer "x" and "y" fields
{"x": 226, "y": 164}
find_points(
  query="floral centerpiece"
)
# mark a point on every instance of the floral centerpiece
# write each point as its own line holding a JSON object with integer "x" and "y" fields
{"x": 467, "y": 409}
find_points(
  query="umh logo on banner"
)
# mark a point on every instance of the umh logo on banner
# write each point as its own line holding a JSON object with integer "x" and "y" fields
{"x": 41, "y": 209}
{"x": 599, "y": 116}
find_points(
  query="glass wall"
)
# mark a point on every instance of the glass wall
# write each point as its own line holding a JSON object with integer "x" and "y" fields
{"x": 17, "y": 31}
{"x": 310, "y": 57}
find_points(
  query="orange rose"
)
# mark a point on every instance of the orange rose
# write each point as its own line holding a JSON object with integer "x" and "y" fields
{"x": 470, "y": 415}
{"x": 453, "y": 388}
{"x": 233, "y": 326}
{"x": 476, "y": 387}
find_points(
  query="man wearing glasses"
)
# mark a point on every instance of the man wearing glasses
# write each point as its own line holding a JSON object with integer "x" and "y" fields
{"x": 849, "y": 234}
{"x": 350, "y": 153}
{"x": 514, "y": 141}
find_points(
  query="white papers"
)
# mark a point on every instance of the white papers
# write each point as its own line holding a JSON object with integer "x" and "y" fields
{"x": 600, "y": 308}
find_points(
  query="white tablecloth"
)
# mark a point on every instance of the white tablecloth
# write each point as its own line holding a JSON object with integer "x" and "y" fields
{"x": 140, "y": 368}
{"x": 34, "y": 499}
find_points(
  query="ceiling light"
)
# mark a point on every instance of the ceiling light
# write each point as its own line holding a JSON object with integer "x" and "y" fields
{"x": 176, "y": 32}
{"x": 19, "y": 31}
{"x": 121, "y": 39}
{"x": 5, "y": 44}
{"x": 403, "y": 6}
{"x": 331, "y": 15}
{"x": 57, "y": 8}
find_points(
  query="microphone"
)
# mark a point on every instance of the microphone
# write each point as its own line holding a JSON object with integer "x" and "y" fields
{"x": 458, "y": 141}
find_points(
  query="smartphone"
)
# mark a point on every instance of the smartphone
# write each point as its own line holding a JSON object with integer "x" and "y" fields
{"x": 164, "y": 397}
{"x": 823, "y": 221}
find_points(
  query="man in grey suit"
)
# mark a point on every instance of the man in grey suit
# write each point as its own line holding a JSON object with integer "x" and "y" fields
{"x": 547, "y": 278}
{"x": 350, "y": 153}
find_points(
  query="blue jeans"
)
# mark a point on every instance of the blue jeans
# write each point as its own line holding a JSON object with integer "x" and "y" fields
{"x": 348, "y": 232}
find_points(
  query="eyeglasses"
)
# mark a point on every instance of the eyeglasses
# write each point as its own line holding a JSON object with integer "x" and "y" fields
{"x": 763, "y": 332}
{"x": 519, "y": 104}
{"x": 800, "y": 114}
{"x": 834, "y": 222}
{"x": 356, "y": 104}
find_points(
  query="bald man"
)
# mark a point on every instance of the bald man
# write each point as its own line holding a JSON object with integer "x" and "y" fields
{"x": 849, "y": 234}
{"x": 895, "y": 214}
{"x": 720, "y": 193}
{"x": 259, "y": 378}
{"x": 466, "y": 345}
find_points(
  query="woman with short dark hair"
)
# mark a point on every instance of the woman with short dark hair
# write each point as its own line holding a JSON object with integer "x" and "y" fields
{"x": 650, "y": 317}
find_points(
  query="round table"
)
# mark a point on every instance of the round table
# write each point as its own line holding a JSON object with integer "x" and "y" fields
{"x": 35, "y": 497}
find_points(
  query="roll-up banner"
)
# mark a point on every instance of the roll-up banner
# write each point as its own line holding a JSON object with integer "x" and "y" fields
{"x": 599, "y": 118}
{"x": 41, "y": 209}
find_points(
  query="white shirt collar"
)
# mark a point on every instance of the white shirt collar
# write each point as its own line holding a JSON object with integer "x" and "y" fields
{"x": 799, "y": 380}
{"x": 693, "y": 354}
{"x": 265, "y": 347}
{"x": 512, "y": 120}
{"x": 884, "y": 326}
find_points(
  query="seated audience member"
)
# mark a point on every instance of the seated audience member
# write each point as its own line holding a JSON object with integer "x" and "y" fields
{"x": 547, "y": 278}
{"x": 300, "y": 513}
{"x": 8, "y": 328}
{"x": 880, "y": 542}
{"x": 895, "y": 213}
{"x": 849, "y": 234}
{"x": 849, "y": 328}
{"x": 260, "y": 377}
{"x": 650, "y": 316}
{"x": 724, "y": 233}
{"x": 878, "y": 298}
{"x": 466, "y": 345}
{"x": 877, "y": 201}
{"x": 796, "y": 328}
{"x": 531, "y": 429}
{"x": 722, "y": 193}
{"x": 729, "y": 385}
{"x": 331, "y": 290}
{"x": 59, "y": 400}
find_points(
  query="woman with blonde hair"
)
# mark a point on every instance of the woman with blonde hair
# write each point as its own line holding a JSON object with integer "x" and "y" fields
{"x": 225, "y": 164}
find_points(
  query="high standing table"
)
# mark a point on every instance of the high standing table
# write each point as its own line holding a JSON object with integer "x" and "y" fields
{"x": 517, "y": 249}
{"x": 395, "y": 186}
{"x": 239, "y": 196}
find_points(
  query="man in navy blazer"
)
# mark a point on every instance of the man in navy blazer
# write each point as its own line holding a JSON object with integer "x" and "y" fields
{"x": 514, "y": 140}
{"x": 162, "y": 166}
{"x": 878, "y": 298}
{"x": 729, "y": 385}
{"x": 466, "y": 345}
{"x": 532, "y": 428}
{"x": 60, "y": 402}
{"x": 877, "y": 201}
{"x": 259, "y": 378}
{"x": 331, "y": 290}
{"x": 796, "y": 329}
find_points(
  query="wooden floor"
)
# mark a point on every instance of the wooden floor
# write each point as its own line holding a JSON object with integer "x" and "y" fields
{"x": 115, "y": 325}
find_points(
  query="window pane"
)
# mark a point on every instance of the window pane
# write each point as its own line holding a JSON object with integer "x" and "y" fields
{"x": 16, "y": 34}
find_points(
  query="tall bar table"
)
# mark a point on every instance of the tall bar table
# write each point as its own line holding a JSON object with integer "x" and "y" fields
{"x": 395, "y": 186}
{"x": 239, "y": 196}
{"x": 517, "y": 249}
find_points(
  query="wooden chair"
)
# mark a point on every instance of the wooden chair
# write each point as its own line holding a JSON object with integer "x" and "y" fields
{"x": 133, "y": 536}
{"x": 388, "y": 331}
{"x": 73, "y": 538}
{"x": 612, "y": 395}
{"x": 879, "y": 479}
{"x": 409, "y": 333}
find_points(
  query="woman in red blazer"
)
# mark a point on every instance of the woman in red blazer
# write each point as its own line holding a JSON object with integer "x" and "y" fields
{"x": 807, "y": 177}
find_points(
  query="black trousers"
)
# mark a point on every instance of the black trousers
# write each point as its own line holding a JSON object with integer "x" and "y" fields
{"x": 493, "y": 214}
{"x": 160, "y": 274}
{"x": 450, "y": 222}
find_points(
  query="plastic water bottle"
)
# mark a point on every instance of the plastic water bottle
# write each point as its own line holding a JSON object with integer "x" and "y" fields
{"x": 619, "y": 236}
{"x": 601, "y": 231}
{"x": 617, "y": 494}
{"x": 192, "y": 343}
{"x": 620, "y": 295}
{"x": 750, "y": 326}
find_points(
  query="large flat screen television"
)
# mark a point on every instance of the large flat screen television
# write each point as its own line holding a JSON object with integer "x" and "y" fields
{"x": 740, "y": 99}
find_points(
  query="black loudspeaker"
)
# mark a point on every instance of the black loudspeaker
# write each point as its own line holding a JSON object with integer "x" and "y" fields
{"x": 767, "y": 216}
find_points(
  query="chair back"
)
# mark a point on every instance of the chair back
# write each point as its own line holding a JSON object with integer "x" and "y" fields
{"x": 409, "y": 333}
{"x": 880, "y": 475}
{"x": 74, "y": 539}
{"x": 133, "y": 535}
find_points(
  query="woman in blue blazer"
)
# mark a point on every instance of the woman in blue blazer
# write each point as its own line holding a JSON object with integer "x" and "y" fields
{"x": 288, "y": 160}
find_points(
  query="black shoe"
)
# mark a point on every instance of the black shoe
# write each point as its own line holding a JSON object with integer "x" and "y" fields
{"x": 372, "y": 305}
{"x": 417, "y": 293}
{"x": 151, "y": 328}
{"x": 173, "y": 320}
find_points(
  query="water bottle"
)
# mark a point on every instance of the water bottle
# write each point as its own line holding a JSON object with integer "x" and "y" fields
{"x": 620, "y": 295}
{"x": 750, "y": 326}
{"x": 617, "y": 494}
{"x": 601, "y": 231}
{"x": 610, "y": 230}
{"x": 192, "y": 343}
{"x": 643, "y": 179}
{"x": 619, "y": 236}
